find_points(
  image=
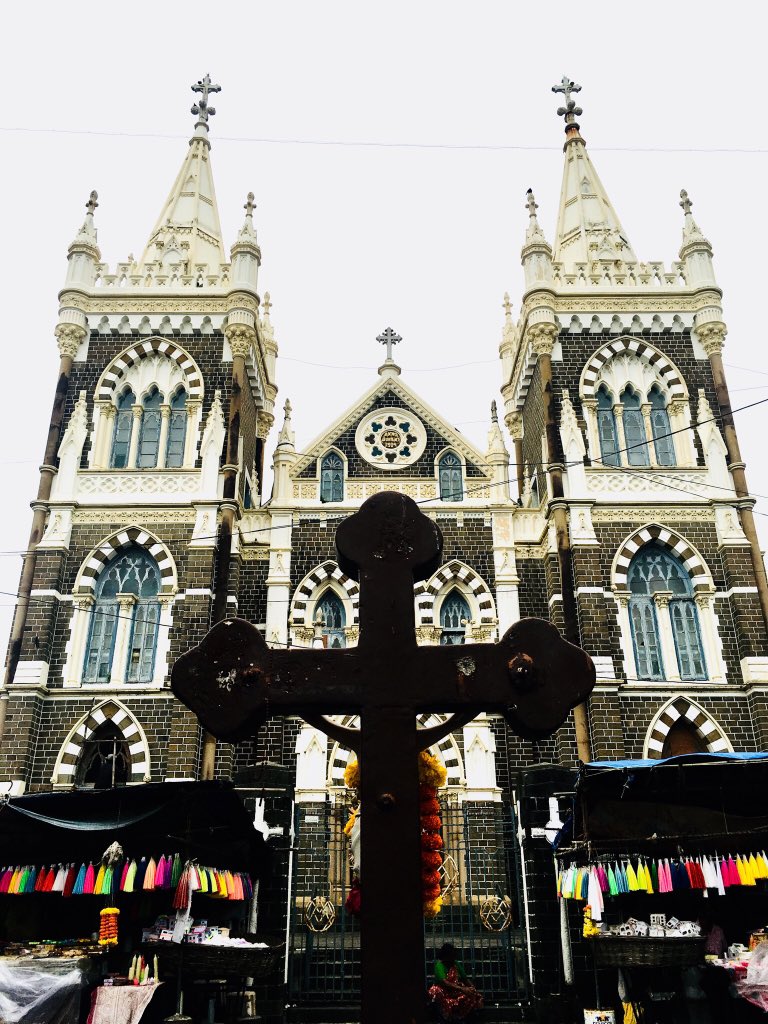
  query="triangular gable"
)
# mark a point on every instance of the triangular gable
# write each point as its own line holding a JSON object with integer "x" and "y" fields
{"x": 390, "y": 390}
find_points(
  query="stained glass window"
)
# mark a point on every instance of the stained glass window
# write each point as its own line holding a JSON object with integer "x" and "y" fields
{"x": 334, "y": 619}
{"x": 654, "y": 569}
{"x": 451, "y": 485}
{"x": 634, "y": 430}
{"x": 606, "y": 428}
{"x": 332, "y": 478}
{"x": 133, "y": 572}
{"x": 149, "y": 438}
{"x": 121, "y": 438}
{"x": 177, "y": 431}
{"x": 663, "y": 443}
{"x": 454, "y": 614}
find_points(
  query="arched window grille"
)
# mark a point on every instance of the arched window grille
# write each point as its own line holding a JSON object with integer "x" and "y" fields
{"x": 105, "y": 761}
{"x": 121, "y": 438}
{"x": 177, "y": 431}
{"x": 635, "y": 441}
{"x": 149, "y": 438}
{"x": 663, "y": 443}
{"x": 454, "y": 614}
{"x": 134, "y": 572}
{"x": 606, "y": 426}
{"x": 451, "y": 484}
{"x": 332, "y": 478}
{"x": 655, "y": 570}
{"x": 334, "y": 619}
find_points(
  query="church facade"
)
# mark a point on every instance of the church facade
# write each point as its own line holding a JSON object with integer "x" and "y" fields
{"x": 616, "y": 506}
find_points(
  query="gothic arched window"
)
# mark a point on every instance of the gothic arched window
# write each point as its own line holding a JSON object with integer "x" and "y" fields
{"x": 606, "y": 426}
{"x": 684, "y": 738}
{"x": 635, "y": 441}
{"x": 105, "y": 761}
{"x": 663, "y": 443}
{"x": 331, "y": 609}
{"x": 451, "y": 486}
{"x": 125, "y": 604}
{"x": 149, "y": 437}
{"x": 121, "y": 437}
{"x": 332, "y": 478}
{"x": 454, "y": 614}
{"x": 177, "y": 431}
{"x": 661, "y": 592}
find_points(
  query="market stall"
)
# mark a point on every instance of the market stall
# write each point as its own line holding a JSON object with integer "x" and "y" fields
{"x": 665, "y": 871}
{"x": 100, "y": 889}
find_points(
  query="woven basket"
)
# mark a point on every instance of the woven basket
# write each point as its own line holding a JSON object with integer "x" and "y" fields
{"x": 221, "y": 961}
{"x": 645, "y": 951}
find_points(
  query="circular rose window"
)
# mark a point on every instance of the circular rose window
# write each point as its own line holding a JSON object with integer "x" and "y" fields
{"x": 390, "y": 438}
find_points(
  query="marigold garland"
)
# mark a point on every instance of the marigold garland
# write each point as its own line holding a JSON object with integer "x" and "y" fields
{"x": 432, "y": 774}
{"x": 108, "y": 926}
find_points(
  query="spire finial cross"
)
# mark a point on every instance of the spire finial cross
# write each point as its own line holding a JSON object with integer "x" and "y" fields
{"x": 92, "y": 202}
{"x": 570, "y": 111}
{"x": 201, "y": 109}
{"x": 507, "y": 304}
{"x": 494, "y": 412}
{"x": 531, "y": 204}
{"x": 685, "y": 202}
{"x": 389, "y": 338}
{"x": 250, "y": 205}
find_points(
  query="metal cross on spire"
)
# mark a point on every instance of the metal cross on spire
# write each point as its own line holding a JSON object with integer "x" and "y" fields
{"x": 201, "y": 109}
{"x": 92, "y": 202}
{"x": 389, "y": 338}
{"x": 570, "y": 111}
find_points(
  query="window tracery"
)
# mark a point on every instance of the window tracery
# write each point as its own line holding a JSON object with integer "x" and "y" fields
{"x": 331, "y": 478}
{"x": 450, "y": 475}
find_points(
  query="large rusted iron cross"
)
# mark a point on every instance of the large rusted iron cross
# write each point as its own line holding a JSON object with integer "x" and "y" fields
{"x": 234, "y": 682}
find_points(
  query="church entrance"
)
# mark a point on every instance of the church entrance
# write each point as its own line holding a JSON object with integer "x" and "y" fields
{"x": 482, "y": 912}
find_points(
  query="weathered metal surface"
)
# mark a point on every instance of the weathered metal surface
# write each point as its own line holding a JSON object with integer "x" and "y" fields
{"x": 234, "y": 682}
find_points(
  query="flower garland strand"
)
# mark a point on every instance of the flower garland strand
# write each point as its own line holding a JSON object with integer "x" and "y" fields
{"x": 432, "y": 775}
{"x": 108, "y": 926}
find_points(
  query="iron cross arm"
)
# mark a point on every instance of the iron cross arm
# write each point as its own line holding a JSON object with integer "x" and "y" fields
{"x": 234, "y": 682}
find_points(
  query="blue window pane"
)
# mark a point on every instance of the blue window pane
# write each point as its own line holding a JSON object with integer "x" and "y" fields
{"x": 101, "y": 643}
{"x": 149, "y": 438}
{"x": 451, "y": 484}
{"x": 685, "y": 629}
{"x": 662, "y": 442}
{"x": 177, "y": 431}
{"x": 634, "y": 430}
{"x": 645, "y": 636}
{"x": 334, "y": 619}
{"x": 332, "y": 478}
{"x": 141, "y": 658}
{"x": 606, "y": 428}
{"x": 121, "y": 437}
{"x": 454, "y": 613}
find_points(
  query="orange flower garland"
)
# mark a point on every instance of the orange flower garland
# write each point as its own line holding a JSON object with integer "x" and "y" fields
{"x": 431, "y": 776}
{"x": 108, "y": 926}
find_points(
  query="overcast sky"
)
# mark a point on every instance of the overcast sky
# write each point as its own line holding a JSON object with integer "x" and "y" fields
{"x": 422, "y": 231}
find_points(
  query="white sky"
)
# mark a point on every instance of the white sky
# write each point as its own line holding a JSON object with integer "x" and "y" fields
{"x": 356, "y": 238}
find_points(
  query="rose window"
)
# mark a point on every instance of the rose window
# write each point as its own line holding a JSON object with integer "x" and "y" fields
{"x": 391, "y": 438}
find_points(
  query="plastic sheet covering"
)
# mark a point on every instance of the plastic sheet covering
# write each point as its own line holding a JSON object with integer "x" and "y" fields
{"x": 31, "y": 994}
{"x": 754, "y": 988}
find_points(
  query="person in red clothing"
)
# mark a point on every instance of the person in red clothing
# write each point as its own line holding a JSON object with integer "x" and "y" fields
{"x": 453, "y": 994}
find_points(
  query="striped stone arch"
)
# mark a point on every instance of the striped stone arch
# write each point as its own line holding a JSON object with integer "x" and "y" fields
{"x": 666, "y": 369}
{"x": 452, "y": 572}
{"x": 142, "y": 349}
{"x": 101, "y": 556}
{"x": 108, "y": 711}
{"x": 446, "y": 751}
{"x": 328, "y": 571}
{"x": 691, "y": 559}
{"x": 681, "y": 707}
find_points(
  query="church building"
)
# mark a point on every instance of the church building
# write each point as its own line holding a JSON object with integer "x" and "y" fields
{"x": 611, "y": 498}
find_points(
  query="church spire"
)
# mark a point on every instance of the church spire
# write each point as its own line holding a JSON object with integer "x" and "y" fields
{"x": 588, "y": 227}
{"x": 83, "y": 255}
{"x": 188, "y": 230}
{"x": 695, "y": 249}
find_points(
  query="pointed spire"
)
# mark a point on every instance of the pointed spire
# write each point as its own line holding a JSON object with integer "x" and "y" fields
{"x": 588, "y": 227}
{"x": 83, "y": 254}
{"x": 286, "y": 435}
{"x": 496, "y": 446}
{"x": 536, "y": 252}
{"x": 188, "y": 230}
{"x": 246, "y": 254}
{"x": 695, "y": 249}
